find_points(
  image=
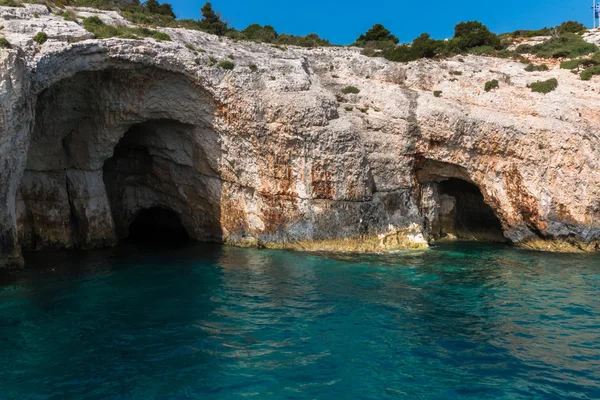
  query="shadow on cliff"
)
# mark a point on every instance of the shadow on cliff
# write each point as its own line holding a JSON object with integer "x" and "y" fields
{"x": 121, "y": 151}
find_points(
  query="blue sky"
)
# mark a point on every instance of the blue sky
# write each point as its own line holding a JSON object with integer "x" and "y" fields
{"x": 341, "y": 21}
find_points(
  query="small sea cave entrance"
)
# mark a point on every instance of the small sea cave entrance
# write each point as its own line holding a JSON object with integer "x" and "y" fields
{"x": 157, "y": 226}
{"x": 464, "y": 213}
{"x": 455, "y": 208}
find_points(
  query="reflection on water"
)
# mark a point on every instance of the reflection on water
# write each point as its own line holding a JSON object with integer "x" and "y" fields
{"x": 462, "y": 320}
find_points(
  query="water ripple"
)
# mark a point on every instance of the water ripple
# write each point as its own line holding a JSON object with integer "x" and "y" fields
{"x": 208, "y": 322}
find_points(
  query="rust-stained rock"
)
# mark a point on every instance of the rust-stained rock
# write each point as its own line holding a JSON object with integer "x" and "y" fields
{"x": 94, "y": 131}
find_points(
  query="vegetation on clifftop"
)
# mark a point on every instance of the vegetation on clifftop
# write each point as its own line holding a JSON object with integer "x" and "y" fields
{"x": 470, "y": 37}
{"x": 152, "y": 14}
{"x": 102, "y": 31}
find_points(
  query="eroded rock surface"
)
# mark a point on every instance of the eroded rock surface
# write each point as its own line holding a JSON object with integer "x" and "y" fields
{"x": 93, "y": 132}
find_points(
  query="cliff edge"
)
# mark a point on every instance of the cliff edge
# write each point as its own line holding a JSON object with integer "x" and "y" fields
{"x": 317, "y": 149}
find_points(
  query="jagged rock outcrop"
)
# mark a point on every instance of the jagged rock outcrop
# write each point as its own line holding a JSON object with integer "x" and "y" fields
{"x": 94, "y": 131}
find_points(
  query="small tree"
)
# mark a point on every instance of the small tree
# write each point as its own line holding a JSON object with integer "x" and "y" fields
{"x": 473, "y": 34}
{"x": 259, "y": 33}
{"x": 425, "y": 47}
{"x": 212, "y": 22}
{"x": 378, "y": 34}
{"x": 571, "y": 26}
{"x": 152, "y": 6}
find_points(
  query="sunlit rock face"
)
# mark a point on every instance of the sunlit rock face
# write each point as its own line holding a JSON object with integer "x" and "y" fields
{"x": 94, "y": 132}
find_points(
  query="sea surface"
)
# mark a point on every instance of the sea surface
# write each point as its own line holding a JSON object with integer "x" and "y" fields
{"x": 466, "y": 321}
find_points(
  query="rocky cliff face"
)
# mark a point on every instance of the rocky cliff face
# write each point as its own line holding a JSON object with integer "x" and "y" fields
{"x": 95, "y": 131}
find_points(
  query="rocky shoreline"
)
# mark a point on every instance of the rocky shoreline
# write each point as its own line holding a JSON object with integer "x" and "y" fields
{"x": 273, "y": 153}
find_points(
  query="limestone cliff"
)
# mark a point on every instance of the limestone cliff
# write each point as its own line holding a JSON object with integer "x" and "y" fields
{"x": 94, "y": 131}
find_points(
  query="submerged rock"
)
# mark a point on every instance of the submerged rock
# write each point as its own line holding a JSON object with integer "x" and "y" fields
{"x": 95, "y": 131}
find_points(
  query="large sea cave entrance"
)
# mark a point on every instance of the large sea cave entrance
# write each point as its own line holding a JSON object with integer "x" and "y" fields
{"x": 454, "y": 207}
{"x": 121, "y": 153}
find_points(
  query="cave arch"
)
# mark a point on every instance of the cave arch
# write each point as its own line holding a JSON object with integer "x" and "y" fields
{"x": 453, "y": 206}
{"x": 152, "y": 165}
{"x": 155, "y": 129}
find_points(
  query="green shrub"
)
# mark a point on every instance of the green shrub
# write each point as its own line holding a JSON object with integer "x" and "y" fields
{"x": 570, "y": 64}
{"x": 571, "y": 27}
{"x": 253, "y": 67}
{"x": 190, "y": 47}
{"x": 310, "y": 40}
{"x": 95, "y": 26}
{"x": 422, "y": 47}
{"x": 521, "y": 59}
{"x": 595, "y": 58}
{"x": 587, "y": 73}
{"x": 226, "y": 65}
{"x": 350, "y": 90}
{"x": 437, "y": 93}
{"x": 489, "y": 85}
{"x": 455, "y": 72}
{"x": 565, "y": 27}
{"x": 212, "y": 22}
{"x": 470, "y": 34}
{"x": 566, "y": 45}
{"x": 377, "y": 34}
{"x": 212, "y": 60}
{"x": 257, "y": 33}
{"x": 543, "y": 86}
{"x": 11, "y": 3}
{"x": 349, "y": 108}
{"x": 524, "y": 49}
{"x": 533, "y": 67}
{"x": 504, "y": 53}
{"x": 40, "y": 37}
{"x": 267, "y": 34}
{"x": 4, "y": 44}
{"x": 482, "y": 50}
{"x": 469, "y": 37}
{"x": 231, "y": 57}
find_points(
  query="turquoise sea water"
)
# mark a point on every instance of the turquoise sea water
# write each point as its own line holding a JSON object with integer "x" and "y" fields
{"x": 208, "y": 322}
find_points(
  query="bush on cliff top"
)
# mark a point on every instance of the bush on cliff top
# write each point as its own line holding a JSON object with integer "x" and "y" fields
{"x": 565, "y": 27}
{"x": 95, "y": 26}
{"x": 567, "y": 45}
{"x": 10, "y": 3}
{"x": 471, "y": 37}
